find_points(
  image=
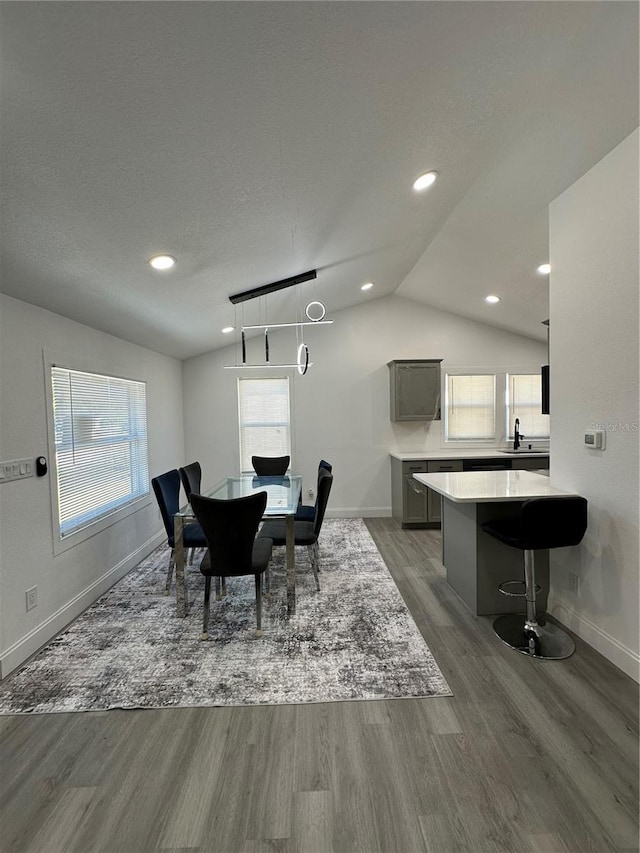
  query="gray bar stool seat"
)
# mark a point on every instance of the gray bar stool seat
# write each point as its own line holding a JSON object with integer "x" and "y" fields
{"x": 553, "y": 522}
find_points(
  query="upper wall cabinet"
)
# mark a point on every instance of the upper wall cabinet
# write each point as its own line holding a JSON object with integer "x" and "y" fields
{"x": 415, "y": 389}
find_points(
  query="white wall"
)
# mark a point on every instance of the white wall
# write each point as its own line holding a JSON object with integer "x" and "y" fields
{"x": 341, "y": 407}
{"x": 67, "y": 583}
{"x": 594, "y": 380}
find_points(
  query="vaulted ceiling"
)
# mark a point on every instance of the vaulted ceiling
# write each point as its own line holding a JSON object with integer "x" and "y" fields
{"x": 254, "y": 141}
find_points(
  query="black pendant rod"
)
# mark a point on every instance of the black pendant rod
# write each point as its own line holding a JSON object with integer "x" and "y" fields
{"x": 271, "y": 288}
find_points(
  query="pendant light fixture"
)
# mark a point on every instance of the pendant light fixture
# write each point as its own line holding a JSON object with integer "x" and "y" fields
{"x": 315, "y": 313}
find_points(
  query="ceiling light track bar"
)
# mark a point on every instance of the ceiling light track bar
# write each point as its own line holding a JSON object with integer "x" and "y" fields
{"x": 287, "y": 325}
{"x": 271, "y": 288}
{"x": 261, "y": 366}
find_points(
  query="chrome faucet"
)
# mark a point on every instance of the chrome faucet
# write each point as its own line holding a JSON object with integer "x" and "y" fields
{"x": 517, "y": 435}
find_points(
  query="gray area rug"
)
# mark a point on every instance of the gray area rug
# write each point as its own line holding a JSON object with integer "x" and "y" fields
{"x": 355, "y": 639}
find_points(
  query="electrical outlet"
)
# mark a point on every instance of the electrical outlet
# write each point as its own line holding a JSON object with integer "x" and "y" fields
{"x": 310, "y": 493}
{"x": 574, "y": 582}
{"x": 32, "y": 597}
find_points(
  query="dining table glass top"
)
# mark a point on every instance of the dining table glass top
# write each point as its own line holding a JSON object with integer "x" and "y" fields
{"x": 283, "y": 493}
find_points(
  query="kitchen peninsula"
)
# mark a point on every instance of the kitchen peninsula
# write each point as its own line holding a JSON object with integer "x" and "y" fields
{"x": 415, "y": 506}
{"x": 475, "y": 562}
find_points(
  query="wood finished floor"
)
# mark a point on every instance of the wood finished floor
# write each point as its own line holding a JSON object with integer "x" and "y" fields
{"x": 526, "y": 756}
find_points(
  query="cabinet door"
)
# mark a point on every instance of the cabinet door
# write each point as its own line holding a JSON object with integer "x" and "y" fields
{"x": 415, "y": 501}
{"x": 434, "y": 500}
{"x": 414, "y": 494}
{"x": 415, "y": 390}
{"x": 434, "y": 506}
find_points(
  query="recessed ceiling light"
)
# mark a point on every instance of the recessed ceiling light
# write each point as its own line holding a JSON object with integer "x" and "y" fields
{"x": 227, "y": 329}
{"x": 492, "y": 299}
{"x": 162, "y": 262}
{"x": 424, "y": 181}
{"x": 367, "y": 286}
{"x": 544, "y": 269}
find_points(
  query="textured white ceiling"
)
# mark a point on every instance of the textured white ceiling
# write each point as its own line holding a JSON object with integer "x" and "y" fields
{"x": 255, "y": 141}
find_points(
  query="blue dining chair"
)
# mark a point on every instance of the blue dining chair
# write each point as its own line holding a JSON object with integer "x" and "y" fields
{"x": 191, "y": 476}
{"x": 167, "y": 491}
{"x": 306, "y": 512}
{"x": 305, "y": 532}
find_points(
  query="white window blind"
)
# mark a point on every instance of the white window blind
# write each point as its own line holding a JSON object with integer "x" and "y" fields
{"x": 524, "y": 401}
{"x": 470, "y": 410}
{"x": 263, "y": 408}
{"x": 100, "y": 425}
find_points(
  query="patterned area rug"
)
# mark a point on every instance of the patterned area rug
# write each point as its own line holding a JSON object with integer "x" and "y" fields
{"x": 355, "y": 639}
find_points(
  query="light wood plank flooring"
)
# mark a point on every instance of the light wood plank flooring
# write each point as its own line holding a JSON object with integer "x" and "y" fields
{"x": 526, "y": 756}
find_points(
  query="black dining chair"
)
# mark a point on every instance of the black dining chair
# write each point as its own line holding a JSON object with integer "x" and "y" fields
{"x": 191, "y": 476}
{"x": 167, "y": 491}
{"x": 305, "y": 532}
{"x": 307, "y": 512}
{"x": 230, "y": 527}
{"x": 270, "y": 466}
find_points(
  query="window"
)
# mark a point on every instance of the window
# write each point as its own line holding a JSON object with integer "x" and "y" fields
{"x": 100, "y": 438}
{"x": 481, "y": 407}
{"x": 263, "y": 414}
{"x": 524, "y": 401}
{"x": 470, "y": 407}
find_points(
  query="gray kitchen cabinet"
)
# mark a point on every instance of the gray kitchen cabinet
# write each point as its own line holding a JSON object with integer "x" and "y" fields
{"x": 415, "y": 389}
{"x": 434, "y": 500}
{"x": 408, "y": 497}
{"x": 530, "y": 463}
{"x": 414, "y": 505}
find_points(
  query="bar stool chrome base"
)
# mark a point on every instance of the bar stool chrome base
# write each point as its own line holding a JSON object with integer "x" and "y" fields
{"x": 547, "y": 641}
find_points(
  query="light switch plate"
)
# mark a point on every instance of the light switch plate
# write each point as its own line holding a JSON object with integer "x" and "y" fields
{"x": 16, "y": 469}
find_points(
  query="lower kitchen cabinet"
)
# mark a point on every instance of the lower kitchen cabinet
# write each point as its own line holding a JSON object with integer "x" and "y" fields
{"x": 434, "y": 500}
{"x": 408, "y": 497}
{"x": 414, "y": 505}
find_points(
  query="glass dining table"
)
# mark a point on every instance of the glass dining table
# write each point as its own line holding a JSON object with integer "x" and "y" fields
{"x": 283, "y": 495}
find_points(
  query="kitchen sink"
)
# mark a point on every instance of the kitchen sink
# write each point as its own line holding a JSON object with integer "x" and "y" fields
{"x": 523, "y": 452}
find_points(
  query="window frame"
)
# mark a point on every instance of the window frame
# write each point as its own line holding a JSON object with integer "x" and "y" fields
{"x": 472, "y": 442}
{"x": 289, "y": 425}
{"x": 92, "y": 528}
{"x": 509, "y": 415}
{"x": 501, "y": 433}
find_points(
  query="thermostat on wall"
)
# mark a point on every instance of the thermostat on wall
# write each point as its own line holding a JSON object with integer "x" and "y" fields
{"x": 594, "y": 439}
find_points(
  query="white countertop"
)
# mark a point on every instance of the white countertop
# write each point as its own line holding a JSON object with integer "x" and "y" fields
{"x": 469, "y": 453}
{"x": 490, "y": 486}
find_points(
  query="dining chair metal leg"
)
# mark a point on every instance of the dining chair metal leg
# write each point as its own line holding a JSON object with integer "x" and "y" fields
{"x": 205, "y": 618}
{"x": 172, "y": 562}
{"x": 259, "y": 604}
{"x": 314, "y": 564}
{"x": 221, "y": 588}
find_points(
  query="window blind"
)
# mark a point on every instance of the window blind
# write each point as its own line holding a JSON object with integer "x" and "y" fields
{"x": 100, "y": 425}
{"x": 264, "y": 419}
{"x": 470, "y": 411}
{"x": 524, "y": 401}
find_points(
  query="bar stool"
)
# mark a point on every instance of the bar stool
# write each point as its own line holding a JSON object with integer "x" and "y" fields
{"x": 553, "y": 522}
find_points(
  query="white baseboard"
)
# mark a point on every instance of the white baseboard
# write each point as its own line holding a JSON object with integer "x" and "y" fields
{"x": 610, "y": 648}
{"x": 26, "y": 646}
{"x": 369, "y": 512}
